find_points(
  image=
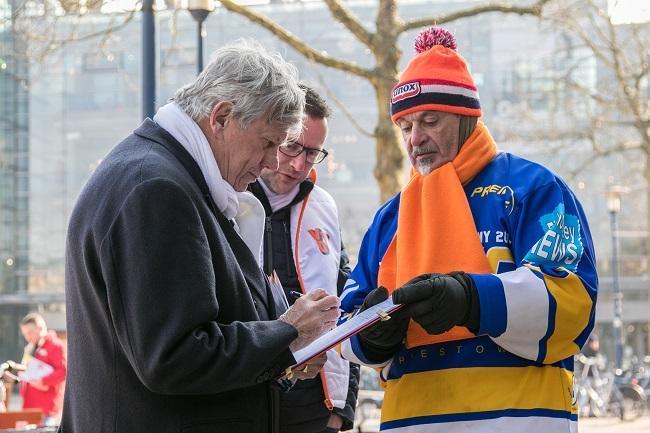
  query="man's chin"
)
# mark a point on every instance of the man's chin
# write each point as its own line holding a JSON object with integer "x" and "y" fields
{"x": 284, "y": 188}
{"x": 241, "y": 185}
{"x": 424, "y": 168}
{"x": 241, "y": 188}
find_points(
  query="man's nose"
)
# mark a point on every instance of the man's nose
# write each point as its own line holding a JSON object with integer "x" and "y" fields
{"x": 271, "y": 160}
{"x": 299, "y": 162}
{"x": 418, "y": 138}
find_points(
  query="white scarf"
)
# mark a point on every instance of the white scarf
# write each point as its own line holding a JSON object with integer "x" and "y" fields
{"x": 249, "y": 217}
{"x": 278, "y": 201}
{"x": 187, "y": 132}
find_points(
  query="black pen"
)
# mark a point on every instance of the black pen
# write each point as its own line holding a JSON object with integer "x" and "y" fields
{"x": 295, "y": 295}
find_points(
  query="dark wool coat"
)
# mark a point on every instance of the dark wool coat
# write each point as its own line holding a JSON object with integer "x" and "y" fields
{"x": 169, "y": 318}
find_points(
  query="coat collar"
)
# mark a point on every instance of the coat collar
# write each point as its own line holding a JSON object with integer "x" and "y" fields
{"x": 154, "y": 132}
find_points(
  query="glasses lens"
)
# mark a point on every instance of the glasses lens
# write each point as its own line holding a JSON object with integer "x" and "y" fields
{"x": 316, "y": 156}
{"x": 291, "y": 149}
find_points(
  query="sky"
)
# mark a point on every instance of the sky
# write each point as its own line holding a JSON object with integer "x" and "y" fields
{"x": 623, "y": 11}
{"x": 629, "y": 11}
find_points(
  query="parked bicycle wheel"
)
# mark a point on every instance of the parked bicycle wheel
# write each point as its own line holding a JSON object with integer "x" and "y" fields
{"x": 633, "y": 402}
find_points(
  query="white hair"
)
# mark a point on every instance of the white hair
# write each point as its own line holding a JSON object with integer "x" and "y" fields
{"x": 258, "y": 84}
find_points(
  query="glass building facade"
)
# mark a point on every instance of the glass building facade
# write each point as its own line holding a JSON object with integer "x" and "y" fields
{"x": 14, "y": 177}
{"x": 61, "y": 115}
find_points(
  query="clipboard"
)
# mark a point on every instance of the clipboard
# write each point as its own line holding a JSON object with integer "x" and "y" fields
{"x": 354, "y": 325}
{"x": 36, "y": 370}
{"x": 279, "y": 298}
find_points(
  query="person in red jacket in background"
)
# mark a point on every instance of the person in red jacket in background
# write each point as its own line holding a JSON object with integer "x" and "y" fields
{"x": 44, "y": 393}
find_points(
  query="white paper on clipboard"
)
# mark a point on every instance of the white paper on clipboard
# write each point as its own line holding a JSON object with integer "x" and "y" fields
{"x": 36, "y": 370}
{"x": 345, "y": 330}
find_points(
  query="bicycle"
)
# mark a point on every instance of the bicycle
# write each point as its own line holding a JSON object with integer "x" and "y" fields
{"x": 601, "y": 395}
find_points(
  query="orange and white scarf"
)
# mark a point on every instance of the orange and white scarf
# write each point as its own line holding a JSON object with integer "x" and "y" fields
{"x": 436, "y": 230}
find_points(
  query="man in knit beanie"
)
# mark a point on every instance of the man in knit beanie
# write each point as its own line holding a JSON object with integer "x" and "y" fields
{"x": 492, "y": 258}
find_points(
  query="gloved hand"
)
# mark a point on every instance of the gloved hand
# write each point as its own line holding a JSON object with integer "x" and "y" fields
{"x": 438, "y": 302}
{"x": 381, "y": 340}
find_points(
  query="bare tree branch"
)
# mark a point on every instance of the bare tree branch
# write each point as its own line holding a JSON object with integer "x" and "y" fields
{"x": 585, "y": 38}
{"x": 103, "y": 32}
{"x": 602, "y": 153}
{"x": 343, "y": 107}
{"x": 39, "y": 29}
{"x": 631, "y": 94}
{"x": 345, "y": 16}
{"x": 535, "y": 9}
{"x": 297, "y": 43}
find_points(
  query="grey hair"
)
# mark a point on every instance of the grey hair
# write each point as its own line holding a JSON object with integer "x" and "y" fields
{"x": 258, "y": 83}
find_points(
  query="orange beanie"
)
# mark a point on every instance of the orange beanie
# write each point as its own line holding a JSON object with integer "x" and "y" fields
{"x": 436, "y": 79}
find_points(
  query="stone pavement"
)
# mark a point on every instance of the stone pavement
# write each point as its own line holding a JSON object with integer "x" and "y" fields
{"x": 614, "y": 425}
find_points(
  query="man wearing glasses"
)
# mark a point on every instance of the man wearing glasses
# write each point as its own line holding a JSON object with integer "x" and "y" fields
{"x": 302, "y": 244}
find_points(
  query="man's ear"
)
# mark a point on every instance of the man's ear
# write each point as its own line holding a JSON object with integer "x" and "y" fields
{"x": 219, "y": 114}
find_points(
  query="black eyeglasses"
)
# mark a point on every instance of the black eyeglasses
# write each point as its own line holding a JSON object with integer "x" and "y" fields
{"x": 293, "y": 149}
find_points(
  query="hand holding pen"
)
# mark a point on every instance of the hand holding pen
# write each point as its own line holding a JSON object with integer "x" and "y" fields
{"x": 312, "y": 315}
{"x": 296, "y": 295}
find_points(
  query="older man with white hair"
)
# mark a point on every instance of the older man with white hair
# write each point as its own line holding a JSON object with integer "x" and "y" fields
{"x": 171, "y": 324}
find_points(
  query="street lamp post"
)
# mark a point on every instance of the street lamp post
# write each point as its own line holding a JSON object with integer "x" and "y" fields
{"x": 148, "y": 60}
{"x": 614, "y": 207}
{"x": 200, "y": 9}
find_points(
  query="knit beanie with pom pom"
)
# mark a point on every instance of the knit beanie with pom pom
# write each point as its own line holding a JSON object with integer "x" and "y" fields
{"x": 436, "y": 79}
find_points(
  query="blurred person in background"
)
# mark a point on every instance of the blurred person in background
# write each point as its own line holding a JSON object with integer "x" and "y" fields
{"x": 44, "y": 357}
{"x": 595, "y": 358}
{"x": 302, "y": 244}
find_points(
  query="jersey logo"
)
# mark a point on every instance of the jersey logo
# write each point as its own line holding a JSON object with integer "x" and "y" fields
{"x": 561, "y": 244}
{"x": 405, "y": 91}
{"x": 505, "y": 191}
{"x": 321, "y": 237}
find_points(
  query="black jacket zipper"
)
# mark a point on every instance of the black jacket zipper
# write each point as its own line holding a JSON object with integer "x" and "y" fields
{"x": 287, "y": 248}
{"x": 268, "y": 234}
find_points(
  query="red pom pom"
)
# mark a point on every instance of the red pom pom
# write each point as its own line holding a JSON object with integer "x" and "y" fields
{"x": 434, "y": 36}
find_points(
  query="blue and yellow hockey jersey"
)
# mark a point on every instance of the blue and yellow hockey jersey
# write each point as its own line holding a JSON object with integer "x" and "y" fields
{"x": 537, "y": 310}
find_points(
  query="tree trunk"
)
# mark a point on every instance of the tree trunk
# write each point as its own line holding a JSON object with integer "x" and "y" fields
{"x": 389, "y": 169}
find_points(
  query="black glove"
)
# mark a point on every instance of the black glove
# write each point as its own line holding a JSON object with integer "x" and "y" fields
{"x": 381, "y": 340}
{"x": 438, "y": 302}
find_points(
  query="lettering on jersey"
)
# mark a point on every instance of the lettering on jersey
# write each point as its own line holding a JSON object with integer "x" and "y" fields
{"x": 405, "y": 91}
{"x": 484, "y": 236}
{"x": 561, "y": 244}
{"x": 498, "y": 237}
{"x": 505, "y": 191}
{"x": 444, "y": 350}
{"x": 321, "y": 237}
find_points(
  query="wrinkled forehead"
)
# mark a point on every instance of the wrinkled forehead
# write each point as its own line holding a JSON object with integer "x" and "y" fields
{"x": 424, "y": 114}
{"x": 273, "y": 131}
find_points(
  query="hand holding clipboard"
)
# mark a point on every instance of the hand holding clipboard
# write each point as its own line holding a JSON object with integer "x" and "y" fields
{"x": 354, "y": 325}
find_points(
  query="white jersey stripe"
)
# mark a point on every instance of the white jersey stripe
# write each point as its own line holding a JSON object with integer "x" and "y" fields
{"x": 527, "y": 307}
{"x": 532, "y": 424}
